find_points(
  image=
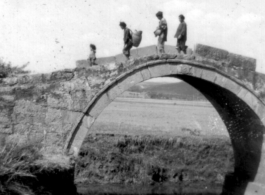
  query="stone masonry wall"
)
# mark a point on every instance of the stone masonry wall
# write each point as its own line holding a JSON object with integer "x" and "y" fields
{"x": 45, "y": 107}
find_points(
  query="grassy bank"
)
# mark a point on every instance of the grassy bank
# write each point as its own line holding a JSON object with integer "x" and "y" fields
{"x": 25, "y": 170}
{"x": 106, "y": 159}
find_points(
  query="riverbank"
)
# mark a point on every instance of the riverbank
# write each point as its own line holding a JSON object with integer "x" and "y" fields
{"x": 26, "y": 170}
{"x": 107, "y": 160}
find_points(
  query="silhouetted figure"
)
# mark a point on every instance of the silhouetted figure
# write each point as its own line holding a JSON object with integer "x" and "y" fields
{"x": 181, "y": 35}
{"x": 161, "y": 32}
{"x": 128, "y": 44}
{"x": 92, "y": 56}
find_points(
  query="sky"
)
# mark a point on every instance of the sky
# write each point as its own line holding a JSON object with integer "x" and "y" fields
{"x": 53, "y": 34}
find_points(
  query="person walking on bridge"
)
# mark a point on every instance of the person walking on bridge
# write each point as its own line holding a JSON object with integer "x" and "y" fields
{"x": 181, "y": 35}
{"x": 161, "y": 32}
{"x": 128, "y": 44}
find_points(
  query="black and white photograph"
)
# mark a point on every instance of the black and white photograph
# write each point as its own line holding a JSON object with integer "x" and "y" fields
{"x": 132, "y": 97}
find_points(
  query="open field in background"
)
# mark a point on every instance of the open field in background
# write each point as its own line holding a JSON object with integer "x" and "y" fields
{"x": 159, "y": 117}
{"x": 138, "y": 144}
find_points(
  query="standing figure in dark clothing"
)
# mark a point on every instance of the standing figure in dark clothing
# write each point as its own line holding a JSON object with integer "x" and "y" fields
{"x": 161, "y": 32}
{"x": 128, "y": 44}
{"x": 92, "y": 56}
{"x": 181, "y": 35}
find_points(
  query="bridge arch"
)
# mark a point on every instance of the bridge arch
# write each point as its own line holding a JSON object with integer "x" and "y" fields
{"x": 240, "y": 109}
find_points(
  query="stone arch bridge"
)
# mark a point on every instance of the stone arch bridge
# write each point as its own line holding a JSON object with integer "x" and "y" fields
{"x": 58, "y": 109}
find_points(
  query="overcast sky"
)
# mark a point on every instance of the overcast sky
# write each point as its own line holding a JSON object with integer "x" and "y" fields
{"x": 53, "y": 34}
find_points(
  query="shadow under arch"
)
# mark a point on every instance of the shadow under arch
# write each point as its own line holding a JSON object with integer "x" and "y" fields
{"x": 244, "y": 127}
{"x": 236, "y": 105}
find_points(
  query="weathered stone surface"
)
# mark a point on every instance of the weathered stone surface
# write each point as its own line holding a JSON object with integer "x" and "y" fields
{"x": 208, "y": 75}
{"x": 246, "y": 63}
{"x": 99, "y": 105}
{"x": 51, "y": 105}
{"x": 62, "y": 76}
{"x": 57, "y": 109}
{"x": 211, "y": 52}
{"x": 233, "y": 64}
{"x": 168, "y": 56}
{"x": 259, "y": 84}
{"x": 146, "y": 74}
{"x": 160, "y": 70}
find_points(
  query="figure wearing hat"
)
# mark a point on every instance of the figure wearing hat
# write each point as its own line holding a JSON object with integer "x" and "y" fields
{"x": 181, "y": 35}
{"x": 161, "y": 32}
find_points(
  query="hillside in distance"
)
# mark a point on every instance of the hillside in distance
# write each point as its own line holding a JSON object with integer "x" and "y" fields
{"x": 163, "y": 90}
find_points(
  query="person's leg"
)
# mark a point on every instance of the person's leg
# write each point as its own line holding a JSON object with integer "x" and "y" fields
{"x": 160, "y": 46}
{"x": 163, "y": 47}
{"x": 183, "y": 46}
{"x": 126, "y": 52}
{"x": 178, "y": 46}
{"x": 130, "y": 45}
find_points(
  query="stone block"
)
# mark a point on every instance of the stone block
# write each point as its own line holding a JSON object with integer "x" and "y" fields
{"x": 114, "y": 92}
{"x": 70, "y": 117}
{"x": 189, "y": 57}
{"x": 53, "y": 115}
{"x": 59, "y": 101}
{"x": 168, "y": 56}
{"x": 160, "y": 70}
{"x": 260, "y": 109}
{"x": 175, "y": 69}
{"x": 146, "y": 74}
{"x": 36, "y": 78}
{"x": 235, "y": 60}
{"x": 55, "y": 127}
{"x": 251, "y": 100}
{"x": 220, "y": 80}
{"x": 250, "y": 76}
{"x": 259, "y": 81}
{"x": 124, "y": 83}
{"x": 81, "y": 134}
{"x": 208, "y": 75}
{"x": 185, "y": 70}
{"x": 232, "y": 86}
{"x": 197, "y": 72}
{"x": 210, "y": 52}
{"x": 150, "y": 58}
{"x": 99, "y": 105}
{"x": 62, "y": 76}
{"x": 242, "y": 93}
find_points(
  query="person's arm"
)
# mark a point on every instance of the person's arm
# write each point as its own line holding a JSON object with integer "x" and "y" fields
{"x": 163, "y": 25}
{"x": 126, "y": 36}
{"x": 183, "y": 30}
